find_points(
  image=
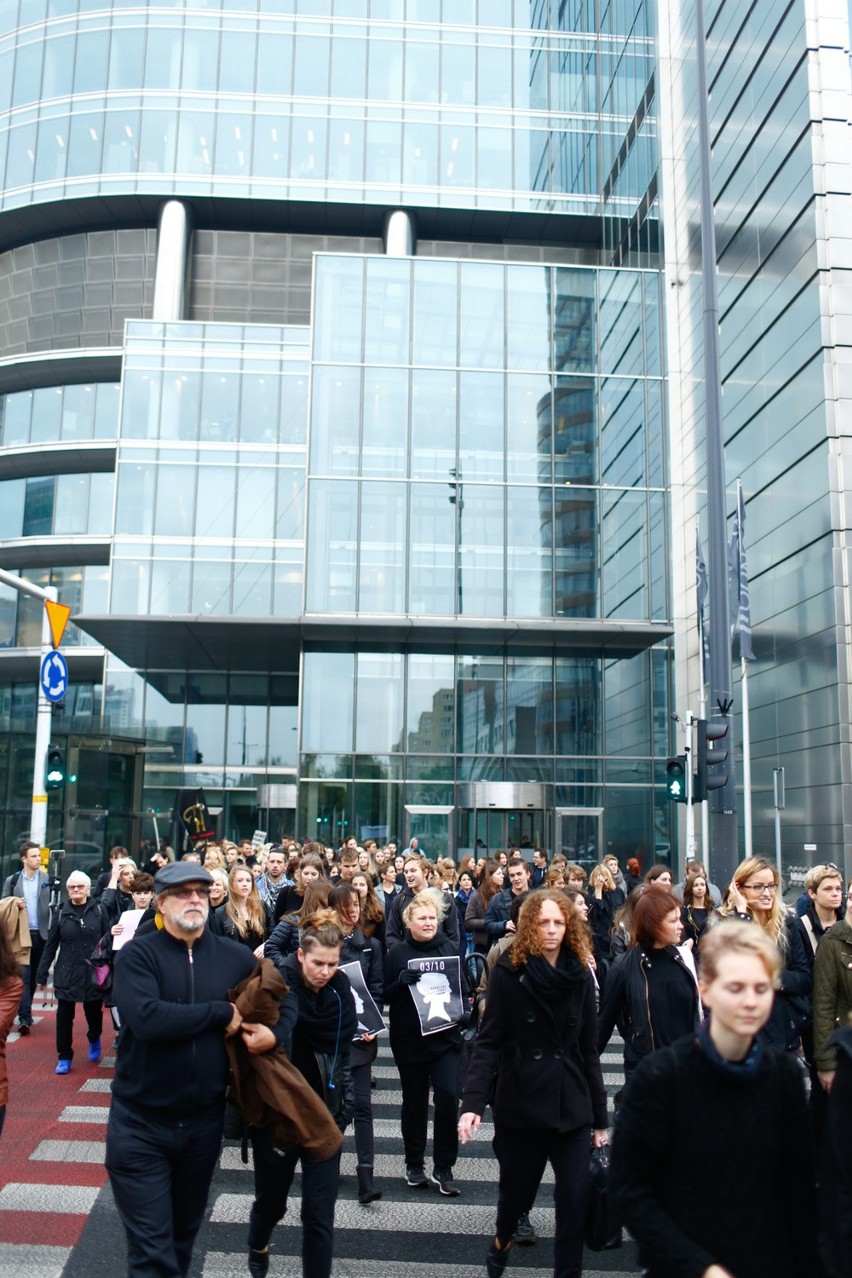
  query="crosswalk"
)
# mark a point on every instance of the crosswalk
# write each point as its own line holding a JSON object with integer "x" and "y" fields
{"x": 407, "y": 1233}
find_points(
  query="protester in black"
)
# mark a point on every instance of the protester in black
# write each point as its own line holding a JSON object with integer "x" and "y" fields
{"x": 651, "y": 991}
{"x": 366, "y": 951}
{"x": 550, "y": 1104}
{"x": 75, "y": 931}
{"x": 424, "y": 1059}
{"x": 168, "y": 1094}
{"x": 320, "y": 1049}
{"x": 712, "y": 1168}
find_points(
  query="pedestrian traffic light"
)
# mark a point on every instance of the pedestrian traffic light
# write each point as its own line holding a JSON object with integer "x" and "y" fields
{"x": 712, "y": 771}
{"x": 55, "y": 768}
{"x": 676, "y": 778}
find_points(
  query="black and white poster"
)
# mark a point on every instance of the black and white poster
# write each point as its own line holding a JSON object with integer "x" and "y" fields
{"x": 438, "y": 993}
{"x": 369, "y": 1015}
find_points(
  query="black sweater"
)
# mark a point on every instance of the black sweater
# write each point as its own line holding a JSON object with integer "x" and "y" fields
{"x": 710, "y": 1167}
{"x": 174, "y": 1009}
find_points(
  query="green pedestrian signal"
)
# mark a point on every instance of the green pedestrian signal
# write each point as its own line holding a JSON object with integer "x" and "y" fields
{"x": 55, "y": 775}
{"x": 676, "y": 778}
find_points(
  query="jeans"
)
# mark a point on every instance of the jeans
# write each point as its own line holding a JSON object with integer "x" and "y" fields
{"x": 65, "y": 1009}
{"x": 25, "y": 1009}
{"x": 523, "y": 1155}
{"x": 443, "y": 1074}
{"x": 160, "y": 1171}
{"x": 273, "y": 1176}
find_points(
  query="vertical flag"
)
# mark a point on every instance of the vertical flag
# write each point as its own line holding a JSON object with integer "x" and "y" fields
{"x": 738, "y": 582}
{"x": 701, "y": 587}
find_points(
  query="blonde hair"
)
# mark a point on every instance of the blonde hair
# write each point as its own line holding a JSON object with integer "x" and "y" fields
{"x": 255, "y": 916}
{"x": 736, "y": 937}
{"x": 819, "y": 874}
{"x": 429, "y": 898}
{"x": 774, "y": 921}
{"x": 601, "y": 871}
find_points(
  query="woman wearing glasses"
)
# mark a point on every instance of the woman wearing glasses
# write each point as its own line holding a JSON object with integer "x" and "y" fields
{"x": 753, "y": 895}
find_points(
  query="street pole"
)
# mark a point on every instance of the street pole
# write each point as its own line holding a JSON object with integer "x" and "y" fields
{"x": 779, "y": 800}
{"x": 723, "y": 824}
{"x": 38, "y": 818}
{"x": 690, "y": 787}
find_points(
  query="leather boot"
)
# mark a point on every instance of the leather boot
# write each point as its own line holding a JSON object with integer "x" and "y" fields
{"x": 367, "y": 1192}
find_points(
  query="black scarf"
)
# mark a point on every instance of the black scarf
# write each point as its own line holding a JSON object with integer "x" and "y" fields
{"x": 320, "y": 1012}
{"x": 548, "y": 981}
{"x": 744, "y": 1070}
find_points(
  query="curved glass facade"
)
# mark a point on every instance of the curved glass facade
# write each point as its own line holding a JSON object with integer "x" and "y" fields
{"x": 381, "y": 531}
{"x": 505, "y": 106}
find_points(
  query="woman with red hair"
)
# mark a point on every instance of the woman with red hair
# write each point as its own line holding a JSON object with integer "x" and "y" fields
{"x": 652, "y": 991}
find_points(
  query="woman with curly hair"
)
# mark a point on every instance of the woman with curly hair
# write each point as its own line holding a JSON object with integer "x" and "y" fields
{"x": 754, "y": 896}
{"x": 540, "y": 1026}
{"x": 245, "y": 917}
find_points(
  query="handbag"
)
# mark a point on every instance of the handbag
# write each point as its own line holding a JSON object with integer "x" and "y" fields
{"x": 603, "y": 1232}
{"x": 99, "y": 964}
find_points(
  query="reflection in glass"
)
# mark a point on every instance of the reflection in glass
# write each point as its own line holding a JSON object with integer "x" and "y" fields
{"x": 481, "y": 558}
{"x": 529, "y": 706}
{"x": 578, "y": 706}
{"x": 528, "y": 310}
{"x": 481, "y": 426}
{"x": 482, "y": 316}
{"x": 529, "y": 558}
{"x": 385, "y": 429}
{"x": 328, "y": 697}
{"x": 574, "y": 320}
{"x": 528, "y": 427}
{"x": 432, "y": 583}
{"x": 332, "y": 541}
{"x": 378, "y": 725}
{"x": 335, "y": 429}
{"x": 575, "y": 440}
{"x": 625, "y": 564}
{"x": 480, "y": 706}
{"x": 576, "y": 552}
{"x": 433, "y": 424}
{"x": 381, "y": 548}
{"x": 430, "y": 705}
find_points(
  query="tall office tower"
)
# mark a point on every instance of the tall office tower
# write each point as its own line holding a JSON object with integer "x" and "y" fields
{"x": 333, "y": 402}
{"x": 780, "y": 103}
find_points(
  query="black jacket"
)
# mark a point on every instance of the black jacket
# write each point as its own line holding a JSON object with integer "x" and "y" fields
{"x": 321, "y": 1039}
{"x": 395, "y": 929}
{"x": 713, "y": 1167}
{"x": 626, "y": 1003}
{"x": 497, "y": 914}
{"x": 74, "y": 933}
{"x": 174, "y": 1009}
{"x": 835, "y": 1207}
{"x": 547, "y": 1065}
{"x": 408, "y": 1045}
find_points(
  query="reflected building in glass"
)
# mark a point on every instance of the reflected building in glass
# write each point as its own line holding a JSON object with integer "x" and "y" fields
{"x": 332, "y": 399}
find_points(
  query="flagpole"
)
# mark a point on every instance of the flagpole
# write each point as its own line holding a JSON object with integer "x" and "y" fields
{"x": 743, "y": 622}
{"x": 746, "y": 760}
{"x": 702, "y": 711}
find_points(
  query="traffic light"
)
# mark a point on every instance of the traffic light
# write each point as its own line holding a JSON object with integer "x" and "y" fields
{"x": 712, "y": 762}
{"x": 55, "y": 776}
{"x": 676, "y": 778}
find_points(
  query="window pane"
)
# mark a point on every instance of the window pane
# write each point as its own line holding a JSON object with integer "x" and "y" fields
{"x": 529, "y": 526}
{"x": 481, "y": 413}
{"x": 385, "y": 438}
{"x": 382, "y": 572}
{"x": 432, "y": 585}
{"x": 378, "y": 726}
{"x": 481, "y": 534}
{"x": 334, "y": 421}
{"x": 388, "y": 289}
{"x": 433, "y": 425}
{"x": 482, "y": 322}
{"x": 435, "y": 313}
{"x": 332, "y": 535}
{"x": 328, "y": 701}
{"x": 479, "y": 706}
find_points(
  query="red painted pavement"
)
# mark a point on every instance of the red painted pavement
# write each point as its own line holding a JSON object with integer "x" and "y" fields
{"x": 37, "y": 1098}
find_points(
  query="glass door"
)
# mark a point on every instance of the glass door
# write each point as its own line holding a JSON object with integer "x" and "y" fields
{"x": 580, "y": 835}
{"x": 432, "y": 827}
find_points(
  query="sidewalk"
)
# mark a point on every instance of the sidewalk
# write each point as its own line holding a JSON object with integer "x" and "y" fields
{"x": 52, "y": 1147}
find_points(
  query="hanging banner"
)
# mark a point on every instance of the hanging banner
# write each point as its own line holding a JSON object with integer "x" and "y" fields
{"x": 438, "y": 993}
{"x": 191, "y": 812}
{"x": 369, "y": 1015}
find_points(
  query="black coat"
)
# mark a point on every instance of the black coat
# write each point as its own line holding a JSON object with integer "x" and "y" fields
{"x": 408, "y": 1045}
{"x": 73, "y": 935}
{"x": 711, "y": 1167}
{"x": 626, "y": 1004}
{"x": 835, "y": 1207}
{"x": 367, "y": 952}
{"x": 548, "y": 1068}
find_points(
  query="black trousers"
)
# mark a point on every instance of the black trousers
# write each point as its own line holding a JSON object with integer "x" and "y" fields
{"x": 65, "y": 1009}
{"x": 442, "y": 1072}
{"x": 273, "y": 1175}
{"x": 160, "y": 1172}
{"x": 523, "y": 1156}
{"x": 363, "y": 1113}
{"x": 25, "y": 1009}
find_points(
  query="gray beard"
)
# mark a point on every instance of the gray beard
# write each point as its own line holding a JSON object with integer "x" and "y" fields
{"x": 186, "y": 925}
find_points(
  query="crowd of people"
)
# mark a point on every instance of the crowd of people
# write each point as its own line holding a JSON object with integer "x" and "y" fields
{"x": 733, "y": 1011}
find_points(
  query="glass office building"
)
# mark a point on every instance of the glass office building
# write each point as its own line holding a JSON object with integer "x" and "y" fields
{"x": 333, "y": 399}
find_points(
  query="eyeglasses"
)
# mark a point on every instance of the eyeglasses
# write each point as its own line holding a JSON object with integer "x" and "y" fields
{"x": 760, "y": 887}
{"x": 186, "y": 894}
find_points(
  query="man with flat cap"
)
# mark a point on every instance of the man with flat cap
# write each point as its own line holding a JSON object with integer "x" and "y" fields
{"x": 171, "y": 1073}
